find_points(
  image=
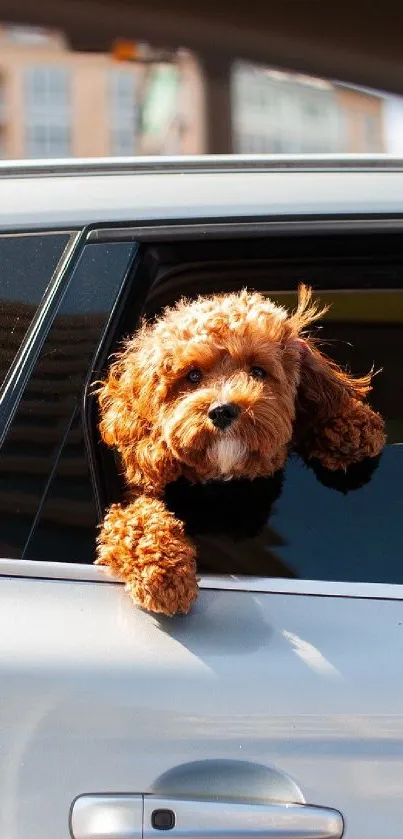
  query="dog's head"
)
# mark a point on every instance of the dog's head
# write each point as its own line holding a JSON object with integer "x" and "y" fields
{"x": 213, "y": 389}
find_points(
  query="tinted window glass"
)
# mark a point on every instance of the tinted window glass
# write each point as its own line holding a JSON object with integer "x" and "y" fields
{"x": 45, "y": 490}
{"x": 66, "y": 526}
{"x": 26, "y": 267}
{"x": 326, "y": 534}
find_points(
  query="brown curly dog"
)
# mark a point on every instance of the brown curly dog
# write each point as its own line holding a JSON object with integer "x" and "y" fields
{"x": 217, "y": 389}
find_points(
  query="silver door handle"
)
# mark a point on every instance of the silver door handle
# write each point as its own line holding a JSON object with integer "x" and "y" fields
{"x": 150, "y": 817}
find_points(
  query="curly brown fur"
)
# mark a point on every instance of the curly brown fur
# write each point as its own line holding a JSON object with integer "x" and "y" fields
{"x": 145, "y": 545}
{"x": 160, "y": 423}
{"x": 348, "y": 436}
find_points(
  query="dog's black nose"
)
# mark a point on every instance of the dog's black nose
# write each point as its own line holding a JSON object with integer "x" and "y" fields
{"x": 223, "y": 415}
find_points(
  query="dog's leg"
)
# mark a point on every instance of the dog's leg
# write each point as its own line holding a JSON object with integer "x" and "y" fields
{"x": 146, "y": 547}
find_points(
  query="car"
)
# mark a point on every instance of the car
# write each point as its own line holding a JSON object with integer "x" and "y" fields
{"x": 274, "y": 708}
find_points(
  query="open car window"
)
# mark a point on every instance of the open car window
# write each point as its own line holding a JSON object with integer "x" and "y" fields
{"x": 57, "y": 477}
{"x": 316, "y": 529}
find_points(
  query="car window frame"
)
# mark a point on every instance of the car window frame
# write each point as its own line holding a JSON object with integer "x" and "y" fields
{"x": 200, "y": 230}
{"x": 147, "y": 233}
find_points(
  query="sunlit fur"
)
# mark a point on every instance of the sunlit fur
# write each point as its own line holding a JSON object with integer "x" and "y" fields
{"x": 158, "y": 421}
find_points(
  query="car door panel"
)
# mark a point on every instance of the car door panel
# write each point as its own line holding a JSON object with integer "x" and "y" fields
{"x": 100, "y": 697}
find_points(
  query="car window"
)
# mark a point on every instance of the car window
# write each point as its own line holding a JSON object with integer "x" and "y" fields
{"x": 312, "y": 531}
{"x": 45, "y": 484}
{"x": 27, "y": 264}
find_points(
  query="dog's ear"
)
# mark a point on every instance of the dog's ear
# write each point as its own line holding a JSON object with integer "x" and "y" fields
{"x": 127, "y": 400}
{"x": 333, "y": 424}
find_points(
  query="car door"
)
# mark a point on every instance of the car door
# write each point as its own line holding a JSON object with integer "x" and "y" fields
{"x": 273, "y": 693}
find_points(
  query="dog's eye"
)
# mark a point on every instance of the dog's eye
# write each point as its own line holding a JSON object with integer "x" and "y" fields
{"x": 258, "y": 372}
{"x": 194, "y": 376}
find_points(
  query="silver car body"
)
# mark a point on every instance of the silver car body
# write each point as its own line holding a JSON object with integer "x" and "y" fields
{"x": 302, "y": 677}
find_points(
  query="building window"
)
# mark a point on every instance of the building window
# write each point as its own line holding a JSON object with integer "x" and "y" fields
{"x": 371, "y": 138}
{"x": 124, "y": 112}
{"x": 48, "y": 141}
{"x": 122, "y": 141}
{"x": 48, "y": 112}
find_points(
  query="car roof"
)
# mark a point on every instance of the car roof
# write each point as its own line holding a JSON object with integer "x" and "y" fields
{"x": 72, "y": 194}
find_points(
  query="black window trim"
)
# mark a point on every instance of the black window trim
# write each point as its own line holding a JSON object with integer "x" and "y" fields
{"x": 183, "y": 230}
{"x": 89, "y": 408}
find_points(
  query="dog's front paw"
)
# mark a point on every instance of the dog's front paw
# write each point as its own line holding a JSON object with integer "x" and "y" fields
{"x": 146, "y": 547}
{"x": 167, "y": 592}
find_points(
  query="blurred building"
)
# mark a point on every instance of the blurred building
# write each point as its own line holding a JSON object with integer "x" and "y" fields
{"x": 272, "y": 113}
{"x": 365, "y": 119}
{"x": 285, "y": 113}
{"x": 59, "y": 103}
